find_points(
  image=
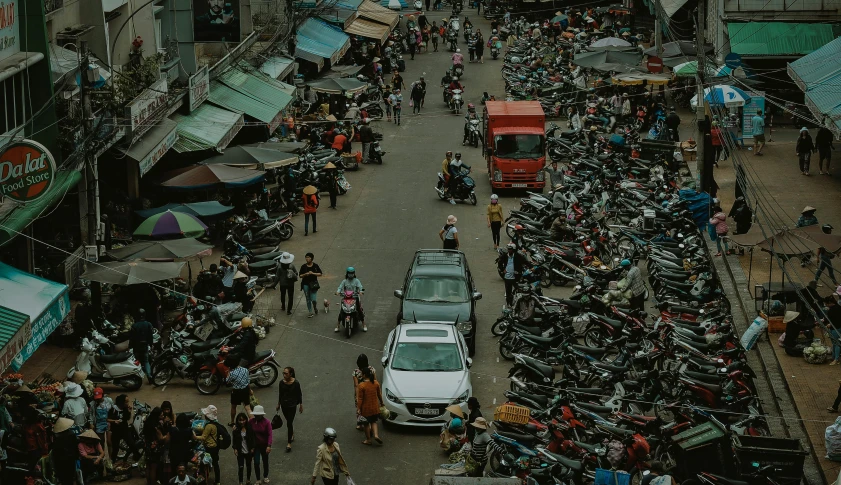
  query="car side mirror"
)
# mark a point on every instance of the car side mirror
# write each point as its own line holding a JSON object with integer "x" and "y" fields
{"x": 469, "y": 362}
{"x": 384, "y": 360}
{"x": 477, "y": 296}
{"x": 398, "y": 294}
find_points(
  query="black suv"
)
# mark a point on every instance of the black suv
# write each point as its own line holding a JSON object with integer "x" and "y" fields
{"x": 439, "y": 288}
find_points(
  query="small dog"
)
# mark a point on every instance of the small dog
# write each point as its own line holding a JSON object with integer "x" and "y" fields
{"x": 326, "y": 306}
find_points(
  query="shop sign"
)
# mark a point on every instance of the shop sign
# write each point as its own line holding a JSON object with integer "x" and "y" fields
{"x": 43, "y": 327}
{"x": 158, "y": 152}
{"x": 144, "y": 110}
{"x": 9, "y": 29}
{"x": 27, "y": 171}
{"x": 15, "y": 345}
{"x": 199, "y": 88}
{"x": 757, "y": 102}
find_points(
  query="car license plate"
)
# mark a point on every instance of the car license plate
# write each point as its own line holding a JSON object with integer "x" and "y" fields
{"x": 426, "y": 412}
{"x": 519, "y": 186}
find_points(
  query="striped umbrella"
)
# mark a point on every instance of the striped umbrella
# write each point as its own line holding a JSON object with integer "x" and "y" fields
{"x": 722, "y": 95}
{"x": 171, "y": 225}
{"x": 687, "y": 69}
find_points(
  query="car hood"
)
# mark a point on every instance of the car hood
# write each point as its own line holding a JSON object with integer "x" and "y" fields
{"x": 420, "y": 386}
{"x": 427, "y": 312}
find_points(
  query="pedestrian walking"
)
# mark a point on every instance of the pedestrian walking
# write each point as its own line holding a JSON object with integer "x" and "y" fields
{"x": 329, "y": 461}
{"x": 422, "y": 83}
{"x": 332, "y": 182}
{"x": 369, "y": 399}
{"x": 396, "y": 100}
{"x": 289, "y": 400}
{"x": 366, "y": 137}
{"x": 495, "y": 218}
{"x": 480, "y": 46}
{"x": 210, "y": 438}
{"x": 154, "y": 441}
{"x": 361, "y": 363}
{"x": 311, "y": 201}
{"x": 263, "y": 436}
{"x": 397, "y": 82}
{"x": 65, "y": 451}
{"x": 435, "y": 36}
{"x": 428, "y": 3}
{"x": 140, "y": 338}
{"x": 478, "y": 7}
{"x": 181, "y": 477}
{"x": 634, "y": 283}
{"x": 417, "y": 97}
{"x": 804, "y": 149}
{"x": 449, "y": 233}
{"x": 511, "y": 265}
{"x": 120, "y": 417}
{"x": 411, "y": 40}
{"x": 757, "y": 123}
{"x": 823, "y": 142}
{"x": 242, "y": 441}
{"x": 825, "y": 263}
{"x": 240, "y": 382}
{"x": 717, "y": 142}
{"x": 387, "y": 101}
{"x": 286, "y": 278}
{"x": 309, "y": 274}
{"x": 719, "y": 223}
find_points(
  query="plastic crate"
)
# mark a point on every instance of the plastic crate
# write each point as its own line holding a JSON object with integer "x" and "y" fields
{"x": 784, "y": 454}
{"x": 512, "y": 414}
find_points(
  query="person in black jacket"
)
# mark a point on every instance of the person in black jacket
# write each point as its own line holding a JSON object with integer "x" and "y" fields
{"x": 181, "y": 440}
{"x": 823, "y": 142}
{"x": 511, "y": 265}
{"x": 804, "y": 149}
{"x": 672, "y": 123}
{"x": 473, "y": 412}
{"x": 246, "y": 349}
{"x": 289, "y": 397}
{"x": 140, "y": 338}
{"x": 242, "y": 442}
{"x": 366, "y": 137}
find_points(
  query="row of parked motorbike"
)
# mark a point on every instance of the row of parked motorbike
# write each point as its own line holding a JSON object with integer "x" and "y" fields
{"x": 609, "y": 386}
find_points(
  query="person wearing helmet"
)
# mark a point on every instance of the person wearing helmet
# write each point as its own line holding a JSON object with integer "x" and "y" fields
{"x": 495, "y": 218}
{"x": 352, "y": 283}
{"x": 471, "y": 115}
{"x": 458, "y": 59}
{"x": 455, "y": 84}
{"x": 417, "y": 94}
{"x": 458, "y": 169}
{"x": 634, "y": 283}
{"x": 511, "y": 266}
{"x": 672, "y": 123}
{"x": 329, "y": 460}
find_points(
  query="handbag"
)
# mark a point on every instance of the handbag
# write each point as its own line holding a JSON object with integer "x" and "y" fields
{"x": 253, "y": 401}
{"x": 277, "y": 422}
{"x": 314, "y": 286}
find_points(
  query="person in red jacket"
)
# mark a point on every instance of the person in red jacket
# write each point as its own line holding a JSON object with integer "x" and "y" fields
{"x": 717, "y": 140}
{"x": 310, "y": 207}
{"x": 339, "y": 143}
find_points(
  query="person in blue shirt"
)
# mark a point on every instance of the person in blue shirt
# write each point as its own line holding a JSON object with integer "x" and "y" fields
{"x": 758, "y": 132}
{"x": 352, "y": 283}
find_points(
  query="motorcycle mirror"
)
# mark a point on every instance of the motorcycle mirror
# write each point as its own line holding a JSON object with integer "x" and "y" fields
{"x": 398, "y": 294}
{"x": 720, "y": 361}
{"x": 681, "y": 246}
{"x": 477, "y": 296}
{"x": 469, "y": 362}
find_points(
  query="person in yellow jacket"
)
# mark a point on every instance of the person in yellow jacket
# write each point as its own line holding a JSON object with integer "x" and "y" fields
{"x": 329, "y": 461}
{"x": 445, "y": 167}
{"x": 495, "y": 219}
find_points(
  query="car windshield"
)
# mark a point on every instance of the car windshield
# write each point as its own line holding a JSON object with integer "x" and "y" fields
{"x": 519, "y": 146}
{"x": 437, "y": 289}
{"x": 426, "y": 357}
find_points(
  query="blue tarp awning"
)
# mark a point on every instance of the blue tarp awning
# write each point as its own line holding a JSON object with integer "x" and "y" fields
{"x": 320, "y": 38}
{"x": 699, "y": 205}
{"x": 818, "y": 75}
{"x": 46, "y": 302}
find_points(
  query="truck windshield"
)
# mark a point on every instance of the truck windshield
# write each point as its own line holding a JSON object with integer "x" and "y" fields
{"x": 519, "y": 146}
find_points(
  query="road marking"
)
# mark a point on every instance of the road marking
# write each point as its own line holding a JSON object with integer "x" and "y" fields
{"x": 163, "y": 389}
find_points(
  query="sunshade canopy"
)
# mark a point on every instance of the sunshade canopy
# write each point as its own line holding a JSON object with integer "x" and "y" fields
{"x": 678, "y": 48}
{"x": 171, "y": 225}
{"x": 252, "y": 157}
{"x": 722, "y": 95}
{"x": 610, "y": 41}
{"x": 207, "y": 176}
{"x": 641, "y": 78}
{"x": 369, "y": 29}
{"x": 608, "y": 60}
{"x": 283, "y": 146}
{"x": 183, "y": 249}
{"x": 133, "y": 272}
{"x": 336, "y": 86}
{"x": 784, "y": 39}
{"x": 208, "y": 209}
{"x": 343, "y": 71}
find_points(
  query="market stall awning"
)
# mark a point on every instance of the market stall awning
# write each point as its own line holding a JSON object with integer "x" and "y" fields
{"x": 343, "y": 71}
{"x": 329, "y": 42}
{"x": 638, "y": 79}
{"x": 207, "y": 128}
{"x": 818, "y": 75}
{"x": 251, "y": 94}
{"x": 778, "y": 39}
{"x": 278, "y": 67}
{"x": 46, "y": 302}
{"x": 378, "y": 13}
{"x": 153, "y": 145}
{"x": 133, "y": 272}
{"x": 204, "y": 210}
{"x": 18, "y": 216}
{"x": 604, "y": 61}
{"x": 369, "y": 29}
{"x": 308, "y": 50}
{"x": 15, "y": 332}
{"x": 206, "y": 176}
{"x": 338, "y": 16}
{"x": 337, "y": 85}
{"x": 183, "y": 249}
{"x": 678, "y": 48}
{"x": 253, "y": 157}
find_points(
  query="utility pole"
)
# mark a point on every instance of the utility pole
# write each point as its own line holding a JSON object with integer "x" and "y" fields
{"x": 703, "y": 121}
{"x": 658, "y": 29}
{"x": 91, "y": 182}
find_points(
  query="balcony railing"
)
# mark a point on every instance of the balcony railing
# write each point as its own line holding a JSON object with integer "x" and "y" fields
{"x": 52, "y": 5}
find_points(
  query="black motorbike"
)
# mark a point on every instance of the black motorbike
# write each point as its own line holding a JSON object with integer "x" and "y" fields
{"x": 464, "y": 188}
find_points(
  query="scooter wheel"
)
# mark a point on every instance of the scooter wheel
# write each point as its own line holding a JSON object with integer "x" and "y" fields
{"x": 207, "y": 382}
{"x": 162, "y": 376}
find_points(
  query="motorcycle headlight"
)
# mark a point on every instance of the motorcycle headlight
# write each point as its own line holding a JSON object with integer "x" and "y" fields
{"x": 539, "y": 176}
{"x": 497, "y": 175}
{"x": 465, "y": 327}
{"x": 462, "y": 398}
{"x": 391, "y": 397}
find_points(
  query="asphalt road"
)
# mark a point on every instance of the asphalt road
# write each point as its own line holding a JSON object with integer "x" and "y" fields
{"x": 391, "y": 211}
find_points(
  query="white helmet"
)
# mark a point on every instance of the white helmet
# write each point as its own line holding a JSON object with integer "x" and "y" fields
{"x": 458, "y": 50}
{"x": 494, "y": 197}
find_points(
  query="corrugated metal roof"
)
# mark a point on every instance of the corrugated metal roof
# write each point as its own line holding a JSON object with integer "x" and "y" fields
{"x": 303, "y": 52}
{"x": 350, "y": 4}
{"x": 332, "y": 41}
{"x": 379, "y": 13}
{"x": 368, "y": 29}
{"x": 338, "y": 16}
{"x": 270, "y": 99}
{"x": 777, "y": 38}
{"x": 10, "y": 322}
{"x": 208, "y": 127}
{"x": 278, "y": 67}
{"x": 817, "y": 66}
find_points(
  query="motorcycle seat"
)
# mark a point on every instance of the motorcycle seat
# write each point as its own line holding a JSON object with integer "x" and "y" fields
{"x": 617, "y": 431}
{"x": 540, "y": 340}
{"x": 533, "y": 397}
{"x": 570, "y": 303}
{"x": 261, "y": 267}
{"x": 704, "y": 348}
{"x": 593, "y": 351}
{"x": 611, "y": 368}
{"x": 573, "y": 465}
{"x": 596, "y": 408}
{"x": 546, "y": 370}
{"x": 268, "y": 256}
{"x": 639, "y": 417}
{"x": 589, "y": 448}
{"x": 198, "y": 347}
{"x": 631, "y": 384}
{"x": 685, "y": 309}
{"x": 523, "y": 439}
{"x": 585, "y": 390}
{"x": 261, "y": 224}
{"x": 714, "y": 388}
{"x": 259, "y": 251}
{"x": 701, "y": 376}
{"x": 114, "y": 358}
{"x": 527, "y": 329}
{"x": 261, "y": 355}
{"x": 613, "y": 323}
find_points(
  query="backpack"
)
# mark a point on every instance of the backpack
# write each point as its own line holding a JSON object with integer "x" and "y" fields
{"x": 223, "y": 438}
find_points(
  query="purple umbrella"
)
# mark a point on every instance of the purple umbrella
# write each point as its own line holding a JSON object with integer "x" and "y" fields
{"x": 167, "y": 225}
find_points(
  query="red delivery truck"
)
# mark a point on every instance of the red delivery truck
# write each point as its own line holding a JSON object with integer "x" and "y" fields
{"x": 515, "y": 144}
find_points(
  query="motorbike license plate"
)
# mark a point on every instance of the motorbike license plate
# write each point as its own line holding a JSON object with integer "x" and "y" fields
{"x": 426, "y": 411}
{"x": 519, "y": 186}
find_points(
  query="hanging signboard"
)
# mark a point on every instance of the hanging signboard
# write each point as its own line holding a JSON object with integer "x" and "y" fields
{"x": 159, "y": 151}
{"x": 42, "y": 327}
{"x": 9, "y": 29}
{"x": 15, "y": 345}
{"x": 199, "y": 88}
{"x": 757, "y": 102}
{"x": 27, "y": 171}
{"x": 144, "y": 110}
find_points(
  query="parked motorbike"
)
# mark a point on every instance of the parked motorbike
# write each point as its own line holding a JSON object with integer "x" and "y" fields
{"x": 119, "y": 369}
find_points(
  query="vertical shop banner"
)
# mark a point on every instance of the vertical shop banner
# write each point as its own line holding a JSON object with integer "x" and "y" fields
{"x": 43, "y": 326}
{"x": 9, "y": 29}
{"x": 199, "y": 88}
{"x": 757, "y": 102}
{"x": 216, "y": 21}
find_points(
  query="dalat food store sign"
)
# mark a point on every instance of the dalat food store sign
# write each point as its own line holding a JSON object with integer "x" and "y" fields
{"x": 27, "y": 171}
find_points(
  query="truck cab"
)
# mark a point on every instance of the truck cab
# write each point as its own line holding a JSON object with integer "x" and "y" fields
{"x": 515, "y": 144}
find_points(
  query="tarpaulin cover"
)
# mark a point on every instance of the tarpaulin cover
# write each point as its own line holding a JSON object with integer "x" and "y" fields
{"x": 207, "y": 176}
{"x": 208, "y": 208}
{"x": 699, "y": 205}
{"x": 187, "y": 248}
{"x": 678, "y": 48}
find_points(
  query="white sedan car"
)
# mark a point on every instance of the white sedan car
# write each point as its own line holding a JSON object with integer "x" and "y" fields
{"x": 425, "y": 369}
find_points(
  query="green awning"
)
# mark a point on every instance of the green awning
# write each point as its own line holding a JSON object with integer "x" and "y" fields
{"x": 255, "y": 94}
{"x": 207, "y": 128}
{"x": 22, "y": 216}
{"x": 786, "y": 39}
{"x": 15, "y": 331}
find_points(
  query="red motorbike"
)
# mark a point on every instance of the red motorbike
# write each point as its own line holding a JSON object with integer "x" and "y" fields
{"x": 263, "y": 370}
